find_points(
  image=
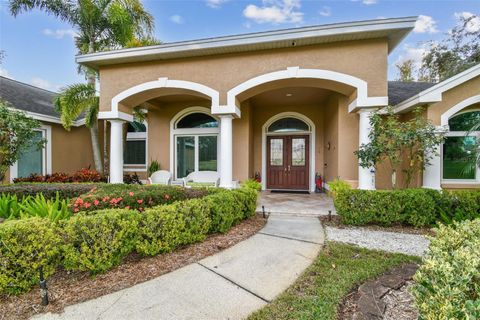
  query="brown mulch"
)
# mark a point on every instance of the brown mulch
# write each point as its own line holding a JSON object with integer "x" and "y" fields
{"x": 337, "y": 223}
{"x": 67, "y": 288}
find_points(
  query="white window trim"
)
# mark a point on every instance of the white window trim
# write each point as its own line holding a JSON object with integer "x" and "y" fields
{"x": 312, "y": 142}
{"x": 138, "y": 136}
{"x": 46, "y": 154}
{"x": 195, "y": 132}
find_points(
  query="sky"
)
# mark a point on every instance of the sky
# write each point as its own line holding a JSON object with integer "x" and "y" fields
{"x": 40, "y": 49}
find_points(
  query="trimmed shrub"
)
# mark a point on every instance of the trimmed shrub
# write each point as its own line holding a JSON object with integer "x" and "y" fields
{"x": 49, "y": 190}
{"x": 252, "y": 184}
{"x": 448, "y": 282}
{"x": 223, "y": 212}
{"x": 195, "y": 216}
{"x": 416, "y": 207}
{"x": 26, "y": 246}
{"x": 246, "y": 200}
{"x": 98, "y": 242}
{"x": 336, "y": 185}
{"x": 133, "y": 197}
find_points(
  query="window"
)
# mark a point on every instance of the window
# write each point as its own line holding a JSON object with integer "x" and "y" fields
{"x": 135, "y": 153}
{"x": 288, "y": 125}
{"x": 196, "y": 144}
{"x": 459, "y": 150}
{"x": 32, "y": 159}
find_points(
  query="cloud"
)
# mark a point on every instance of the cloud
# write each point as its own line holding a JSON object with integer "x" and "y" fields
{"x": 4, "y": 73}
{"x": 177, "y": 19}
{"x": 415, "y": 54}
{"x": 44, "y": 84}
{"x": 215, "y": 4}
{"x": 326, "y": 11}
{"x": 425, "y": 24}
{"x": 473, "y": 25}
{"x": 275, "y": 11}
{"x": 59, "y": 33}
{"x": 366, "y": 2}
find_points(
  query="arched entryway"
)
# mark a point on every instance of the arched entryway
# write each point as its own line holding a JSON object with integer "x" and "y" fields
{"x": 288, "y": 152}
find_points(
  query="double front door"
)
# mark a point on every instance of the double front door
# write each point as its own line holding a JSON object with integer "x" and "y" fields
{"x": 288, "y": 162}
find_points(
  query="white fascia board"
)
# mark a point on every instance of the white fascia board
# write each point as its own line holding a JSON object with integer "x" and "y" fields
{"x": 322, "y": 31}
{"x": 48, "y": 118}
{"x": 434, "y": 93}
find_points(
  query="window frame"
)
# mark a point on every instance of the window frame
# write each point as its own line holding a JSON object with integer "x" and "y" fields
{"x": 449, "y": 133}
{"x": 138, "y": 136}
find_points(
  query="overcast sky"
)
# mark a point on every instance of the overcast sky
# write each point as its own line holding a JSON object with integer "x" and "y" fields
{"x": 40, "y": 49}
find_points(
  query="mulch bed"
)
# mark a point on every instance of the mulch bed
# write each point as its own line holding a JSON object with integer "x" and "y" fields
{"x": 337, "y": 223}
{"x": 386, "y": 297}
{"x": 67, "y": 288}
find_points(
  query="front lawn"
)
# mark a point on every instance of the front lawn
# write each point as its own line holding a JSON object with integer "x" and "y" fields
{"x": 337, "y": 270}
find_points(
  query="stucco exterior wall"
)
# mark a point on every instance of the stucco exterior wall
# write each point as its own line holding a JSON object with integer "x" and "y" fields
{"x": 330, "y": 121}
{"x": 223, "y": 72}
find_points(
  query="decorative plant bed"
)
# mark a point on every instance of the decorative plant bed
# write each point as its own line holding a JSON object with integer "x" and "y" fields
{"x": 386, "y": 297}
{"x": 67, "y": 288}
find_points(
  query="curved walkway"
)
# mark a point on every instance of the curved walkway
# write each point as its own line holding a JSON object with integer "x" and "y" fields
{"x": 228, "y": 285}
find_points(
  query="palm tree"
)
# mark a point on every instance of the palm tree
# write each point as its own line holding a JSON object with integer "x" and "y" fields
{"x": 101, "y": 25}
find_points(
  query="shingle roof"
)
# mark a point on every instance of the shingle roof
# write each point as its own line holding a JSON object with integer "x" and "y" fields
{"x": 399, "y": 91}
{"x": 25, "y": 97}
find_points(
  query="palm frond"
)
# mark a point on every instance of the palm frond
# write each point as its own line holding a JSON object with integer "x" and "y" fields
{"x": 62, "y": 9}
{"x": 75, "y": 100}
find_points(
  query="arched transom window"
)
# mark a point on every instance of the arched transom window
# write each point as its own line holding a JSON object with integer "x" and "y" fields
{"x": 196, "y": 143}
{"x": 460, "y": 149}
{"x": 288, "y": 125}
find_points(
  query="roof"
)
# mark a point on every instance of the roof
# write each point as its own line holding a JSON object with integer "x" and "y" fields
{"x": 28, "y": 98}
{"x": 399, "y": 91}
{"x": 36, "y": 102}
{"x": 394, "y": 30}
{"x": 434, "y": 93}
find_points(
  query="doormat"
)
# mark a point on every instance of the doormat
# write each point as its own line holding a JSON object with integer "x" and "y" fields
{"x": 290, "y": 191}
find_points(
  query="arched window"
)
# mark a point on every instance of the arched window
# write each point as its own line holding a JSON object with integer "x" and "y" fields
{"x": 195, "y": 137}
{"x": 460, "y": 148}
{"x": 288, "y": 125}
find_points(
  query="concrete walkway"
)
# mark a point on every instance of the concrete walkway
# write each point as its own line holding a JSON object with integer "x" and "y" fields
{"x": 309, "y": 205}
{"x": 228, "y": 285}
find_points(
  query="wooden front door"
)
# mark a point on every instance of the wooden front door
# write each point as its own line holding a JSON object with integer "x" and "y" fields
{"x": 288, "y": 162}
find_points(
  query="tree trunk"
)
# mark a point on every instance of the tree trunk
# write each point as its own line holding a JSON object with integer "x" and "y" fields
{"x": 97, "y": 157}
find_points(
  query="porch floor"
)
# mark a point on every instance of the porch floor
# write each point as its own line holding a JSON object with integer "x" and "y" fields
{"x": 313, "y": 204}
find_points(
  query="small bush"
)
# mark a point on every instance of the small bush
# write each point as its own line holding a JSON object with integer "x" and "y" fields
{"x": 337, "y": 186}
{"x": 49, "y": 190}
{"x": 133, "y": 197}
{"x": 448, "y": 282}
{"x": 26, "y": 246}
{"x": 98, "y": 242}
{"x": 252, "y": 184}
{"x": 416, "y": 207}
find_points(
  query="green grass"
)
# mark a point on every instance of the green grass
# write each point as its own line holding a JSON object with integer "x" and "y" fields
{"x": 337, "y": 270}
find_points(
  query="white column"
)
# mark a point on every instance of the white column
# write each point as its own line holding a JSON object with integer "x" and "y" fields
{"x": 226, "y": 159}
{"x": 432, "y": 173}
{"x": 366, "y": 176}
{"x": 116, "y": 151}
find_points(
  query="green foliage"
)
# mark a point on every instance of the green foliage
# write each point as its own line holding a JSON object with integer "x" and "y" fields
{"x": 447, "y": 285}
{"x": 133, "y": 197}
{"x": 416, "y": 207}
{"x": 408, "y": 144}
{"x": 17, "y": 133}
{"x": 27, "y": 246}
{"x": 49, "y": 190}
{"x": 98, "y": 242}
{"x": 9, "y": 206}
{"x": 252, "y": 184}
{"x": 153, "y": 167}
{"x": 336, "y": 186}
{"x": 196, "y": 219}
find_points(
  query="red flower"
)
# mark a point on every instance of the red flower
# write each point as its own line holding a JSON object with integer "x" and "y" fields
{"x": 167, "y": 196}
{"x": 96, "y": 202}
{"x": 131, "y": 194}
{"x": 140, "y": 201}
{"x": 127, "y": 207}
{"x": 87, "y": 204}
{"x": 76, "y": 210}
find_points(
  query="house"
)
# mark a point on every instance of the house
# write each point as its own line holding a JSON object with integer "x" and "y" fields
{"x": 64, "y": 151}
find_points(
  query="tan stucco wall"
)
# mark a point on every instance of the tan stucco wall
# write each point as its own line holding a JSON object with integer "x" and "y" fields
{"x": 330, "y": 120}
{"x": 452, "y": 97}
{"x": 348, "y": 142}
{"x": 223, "y": 72}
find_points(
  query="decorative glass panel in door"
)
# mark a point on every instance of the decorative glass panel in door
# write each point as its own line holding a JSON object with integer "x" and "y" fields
{"x": 207, "y": 153}
{"x": 276, "y": 152}
{"x": 298, "y": 151}
{"x": 31, "y": 159}
{"x": 185, "y": 156}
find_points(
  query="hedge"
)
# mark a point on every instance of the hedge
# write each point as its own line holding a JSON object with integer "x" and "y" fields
{"x": 134, "y": 197}
{"x": 97, "y": 242}
{"x": 447, "y": 284}
{"x": 416, "y": 207}
{"x": 27, "y": 246}
{"x": 49, "y": 190}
